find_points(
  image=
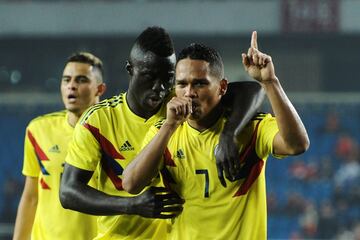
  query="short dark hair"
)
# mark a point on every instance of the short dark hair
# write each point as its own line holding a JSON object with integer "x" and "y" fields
{"x": 155, "y": 39}
{"x": 197, "y": 51}
{"x": 88, "y": 58}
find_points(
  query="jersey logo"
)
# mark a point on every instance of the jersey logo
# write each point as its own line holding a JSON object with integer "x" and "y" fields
{"x": 126, "y": 146}
{"x": 180, "y": 154}
{"x": 55, "y": 149}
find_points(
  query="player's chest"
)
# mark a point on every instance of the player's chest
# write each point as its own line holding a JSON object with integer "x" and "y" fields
{"x": 52, "y": 149}
{"x": 121, "y": 142}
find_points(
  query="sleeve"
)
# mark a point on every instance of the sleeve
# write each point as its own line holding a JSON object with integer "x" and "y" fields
{"x": 153, "y": 130}
{"x": 31, "y": 166}
{"x": 84, "y": 150}
{"x": 267, "y": 130}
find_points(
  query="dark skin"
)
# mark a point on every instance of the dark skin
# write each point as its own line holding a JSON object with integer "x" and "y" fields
{"x": 153, "y": 203}
{"x": 149, "y": 83}
{"x": 249, "y": 96}
{"x": 151, "y": 78}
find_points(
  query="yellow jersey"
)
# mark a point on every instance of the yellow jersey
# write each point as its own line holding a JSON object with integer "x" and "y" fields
{"x": 45, "y": 148}
{"x": 106, "y": 139}
{"x": 212, "y": 211}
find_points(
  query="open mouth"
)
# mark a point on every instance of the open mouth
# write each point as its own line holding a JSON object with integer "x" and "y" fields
{"x": 72, "y": 98}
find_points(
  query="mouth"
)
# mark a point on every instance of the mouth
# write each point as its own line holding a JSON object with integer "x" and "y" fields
{"x": 194, "y": 106}
{"x": 155, "y": 100}
{"x": 72, "y": 98}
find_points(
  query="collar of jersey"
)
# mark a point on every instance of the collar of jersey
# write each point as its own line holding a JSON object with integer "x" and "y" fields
{"x": 67, "y": 125}
{"x": 213, "y": 129}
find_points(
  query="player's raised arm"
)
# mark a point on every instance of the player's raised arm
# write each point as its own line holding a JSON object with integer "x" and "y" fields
{"x": 292, "y": 137}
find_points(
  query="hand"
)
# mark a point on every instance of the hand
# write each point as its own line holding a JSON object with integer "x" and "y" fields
{"x": 257, "y": 64}
{"x": 178, "y": 109}
{"x": 227, "y": 159}
{"x": 157, "y": 202}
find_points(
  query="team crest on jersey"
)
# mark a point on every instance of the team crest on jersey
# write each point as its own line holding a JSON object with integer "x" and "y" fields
{"x": 55, "y": 149}
{"x": 180, "y": 154}
{"x": 126, "y": 146}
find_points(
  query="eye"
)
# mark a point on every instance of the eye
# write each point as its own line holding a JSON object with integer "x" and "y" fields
{"x": 201, "y": 83}
{"x": 148, "y": 76}
{"x": 180, "y": 84}
{"x": 82, "y": 79}
{"x": 65, "y": 79}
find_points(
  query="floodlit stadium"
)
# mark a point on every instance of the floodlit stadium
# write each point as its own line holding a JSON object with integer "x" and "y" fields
{"x": 315, "y": 46}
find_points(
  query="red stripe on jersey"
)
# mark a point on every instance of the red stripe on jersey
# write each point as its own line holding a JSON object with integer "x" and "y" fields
{"x": 43, "y": 184}
{"x": 105, "y": 144}
{"x": 252, "y": 164}
{"x": 254, "y": 174}
{"x": 39, "y": 152}
{"x": 112, "y": 175}
{"x": 168, "y": 159}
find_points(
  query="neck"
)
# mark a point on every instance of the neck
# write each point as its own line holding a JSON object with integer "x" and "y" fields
{"x": 73, "y": 118}
{"x": 207, "y": 121}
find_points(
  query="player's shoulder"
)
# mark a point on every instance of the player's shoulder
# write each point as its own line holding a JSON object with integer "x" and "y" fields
{"x": 48, "y": 118}
{"x": 258, "y": 119}
{"x": 159, "y": 123}
{"x": 106, "y": 106}
{"x": 261, "y": 116}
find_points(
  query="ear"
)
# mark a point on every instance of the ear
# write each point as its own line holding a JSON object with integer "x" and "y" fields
{"x": 101, "y": 88}
{"x": 129, "y": 68}
{"x": 223, "y": 86}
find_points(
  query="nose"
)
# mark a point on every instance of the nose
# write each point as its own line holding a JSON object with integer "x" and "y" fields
{"x": 158, "y": 87}
{"x": 72, "y": 84}
{"x": 189, "y": 91}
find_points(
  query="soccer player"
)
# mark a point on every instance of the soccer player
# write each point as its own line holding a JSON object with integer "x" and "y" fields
{"x": 108, "y": 137}
{"x": 40, "y": 214}
{"x": 184, "y": 143}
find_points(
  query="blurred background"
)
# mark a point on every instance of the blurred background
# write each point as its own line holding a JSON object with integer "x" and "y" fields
{"x": 315, "y": 45}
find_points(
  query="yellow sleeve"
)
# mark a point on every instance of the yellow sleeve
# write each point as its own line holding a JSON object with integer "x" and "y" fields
{"x": 31, "y": 166}
{"x": 153, "y": 130}
{"x": 84, "y": 150}
{"x": 267, "y": 130}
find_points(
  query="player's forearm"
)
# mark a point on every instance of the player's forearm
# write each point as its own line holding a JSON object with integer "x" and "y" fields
{"x": 139, "y": 173}
{"x": 249, "y": 95}
{"x": 291, "y": 128}
{"x": 75, "y": 194}
{"x": 88, "y": 200}
{"x": 25, "y": 218}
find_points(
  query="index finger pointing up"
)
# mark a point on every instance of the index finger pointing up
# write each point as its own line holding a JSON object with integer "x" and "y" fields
{"x": 254, "y": 40}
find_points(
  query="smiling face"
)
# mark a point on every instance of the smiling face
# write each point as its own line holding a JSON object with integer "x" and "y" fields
{"x": 80, "y": 87}
{"x": 194, "y": 80}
